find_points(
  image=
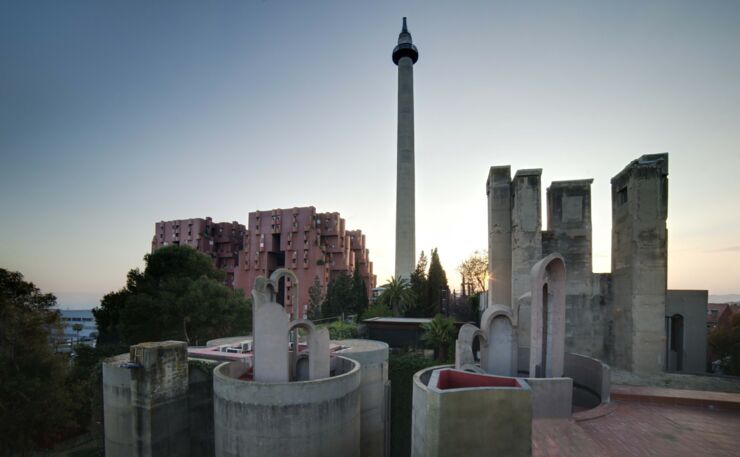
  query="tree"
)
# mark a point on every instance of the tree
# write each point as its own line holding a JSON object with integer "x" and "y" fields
{"x": 180, "y": 295}
{"x": 397, "y": 295}
{"x": 339, "y": 297}
{"x": 437, "y": 288}
{"x": 725, "y": 343}
{"x": 474, "y": 273}
{"x": 315, "y": 298}
{"x": 34, "y": 402}
{"x": 77, "y": 328}
{"x": 419, "y": 286}
{"x": 439, "y": 333}
{"x": 359, "y": 290}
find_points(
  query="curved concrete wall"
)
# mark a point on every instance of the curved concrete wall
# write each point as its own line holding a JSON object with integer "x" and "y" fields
{"x": 591, "y": 382}
{"x": 374, "y": 393}
{"x": 319, "y": 418}
{"x": 118, "y": 409}
{"x": 485, "y": 420}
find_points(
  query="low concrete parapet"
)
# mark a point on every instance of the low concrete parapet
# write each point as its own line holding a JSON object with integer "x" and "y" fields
{"x": 315, "y": 418}
{"x": 591, "y": 385}
{"x": 481, "y": 414}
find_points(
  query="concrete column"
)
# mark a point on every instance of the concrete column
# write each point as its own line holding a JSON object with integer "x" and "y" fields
{"x": 640, "y": 263}
{"x": 498, "y": 189}
{"x": 159, "y": 397}
{"x": 569, "y": 234}
{"x": 405, "y": 56}
{"x": 405, "y": 197}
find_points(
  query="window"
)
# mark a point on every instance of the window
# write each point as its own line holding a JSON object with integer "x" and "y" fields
{"x": 622, "y": 196}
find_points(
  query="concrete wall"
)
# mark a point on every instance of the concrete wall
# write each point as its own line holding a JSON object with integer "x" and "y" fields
{"x": 200, "y": 406}
{"x": 118, "y": 414}
{"x": 639, "y": 263}
{"x": 692, "y": 306}
{"x": 374, "y": 422}
{"x": 498, "y": 190}
{"x": 526, "y": 226}
{"x": 146, "y": 402}
{"x": 569, "y": 234}
{"x": 309, "y": 418}
{"x": 591, "y": 380}
{"x": 481, "y": 421}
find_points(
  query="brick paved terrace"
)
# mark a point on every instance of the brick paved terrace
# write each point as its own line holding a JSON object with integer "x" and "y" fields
{"x": 640, "y": 428}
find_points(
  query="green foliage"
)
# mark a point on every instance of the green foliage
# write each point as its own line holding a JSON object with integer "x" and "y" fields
{"x": 315, "y": 298}
{"x": 420, "y": 288}
{"x": 35, "y": 407}
{"x": 180, "y": 295}
{"x": 378, "y": 309}
{"x": 439, "y": 333}
{"x": 725, "y": 343}
{"x": 397, "y": 295}
{"x": 359, "y": 290}
{"x": 436, "y": 285}
{"x": 339, "y": 297}
{"x": 401, "y": 370}
{"x": 341, "y": 330}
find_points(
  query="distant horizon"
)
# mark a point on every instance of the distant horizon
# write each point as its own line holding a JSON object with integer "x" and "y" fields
{"x": 114, "y": 116}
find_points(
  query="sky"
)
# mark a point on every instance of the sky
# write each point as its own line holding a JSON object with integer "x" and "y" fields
{"x": 116, "y": 115}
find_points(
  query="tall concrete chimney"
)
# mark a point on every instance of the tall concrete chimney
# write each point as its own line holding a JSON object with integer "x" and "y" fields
{"x": 405, "y": 56}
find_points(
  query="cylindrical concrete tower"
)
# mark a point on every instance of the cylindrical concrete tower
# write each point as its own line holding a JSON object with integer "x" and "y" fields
{"x": 405, "y": 56}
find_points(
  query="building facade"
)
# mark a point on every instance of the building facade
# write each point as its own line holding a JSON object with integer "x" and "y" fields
{"x": 316, "y": 246}
{"x": 220, "y": 240}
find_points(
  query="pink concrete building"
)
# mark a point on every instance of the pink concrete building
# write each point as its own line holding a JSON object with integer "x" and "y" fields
{"x": 313, "y": 245}
{"x": 221, "y": 240}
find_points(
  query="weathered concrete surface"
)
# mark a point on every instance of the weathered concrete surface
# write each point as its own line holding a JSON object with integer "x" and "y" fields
{"x": 271, "y": 361}
{"x": 159, "y": 389}
{"x": 118, "y": 410}
{"x": 547, "y": 340}
{"x": 375, "y": 418}
{"x": 551, "y": 397}
{"x": 591, "y": 380}
{"x": 692, "y": 306}
{"x": 310, "y": 418}
{"x": 498, "y": 354}
{"x": 639, "y": 263}
{"x": 200, "y": 406}
{"x": 480, "y": 421}
{"x": 498, "y": 190}
{"x": 405, "y": 196}
{"x": 569, "y": 234}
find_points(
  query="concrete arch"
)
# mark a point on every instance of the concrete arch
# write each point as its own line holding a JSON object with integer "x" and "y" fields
{"x": 547, "y": 329}
{"x": 499, "y": 356}
{"x": 318, "y": 349}
{"x": 464, "y": 345}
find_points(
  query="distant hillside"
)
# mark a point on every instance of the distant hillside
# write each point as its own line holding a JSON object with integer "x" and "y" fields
{"x": 726, "y": 298}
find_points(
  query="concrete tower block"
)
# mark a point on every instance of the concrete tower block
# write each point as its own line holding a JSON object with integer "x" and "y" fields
{"x": 159, "y": 389}
{"x": 547, "y": 340}
{"x": 639, "y": 263}
{"x": 569, "y": 234}
{"x": 498, "y": 189}
{"x": 526, "y": 235}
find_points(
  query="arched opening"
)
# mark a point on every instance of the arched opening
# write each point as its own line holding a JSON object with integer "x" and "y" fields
{"x": 542, "y": 368}
{"x": 675, "y": 340}
{"x": 300, "y": 352}
{"x": 475, "y": 346}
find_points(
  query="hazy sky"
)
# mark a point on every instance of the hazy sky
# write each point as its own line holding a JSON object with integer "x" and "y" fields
{"x": 115, "y": 115}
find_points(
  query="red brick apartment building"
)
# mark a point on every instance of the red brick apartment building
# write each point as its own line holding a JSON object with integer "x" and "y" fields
{"x": 313, "y": 245}
{"x": 221, "y": 240}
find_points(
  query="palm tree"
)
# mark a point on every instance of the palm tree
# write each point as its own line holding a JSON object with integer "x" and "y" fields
{"x": 77, "y": 328}
{"x": 439, "y": 333}
{"x": 397, "y": 294}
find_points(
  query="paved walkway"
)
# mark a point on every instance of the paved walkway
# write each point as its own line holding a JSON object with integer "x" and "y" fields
{"x": 641, "y": 429}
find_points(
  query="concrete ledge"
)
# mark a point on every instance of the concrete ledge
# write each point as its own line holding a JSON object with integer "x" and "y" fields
{"x": 718, "y": 400}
